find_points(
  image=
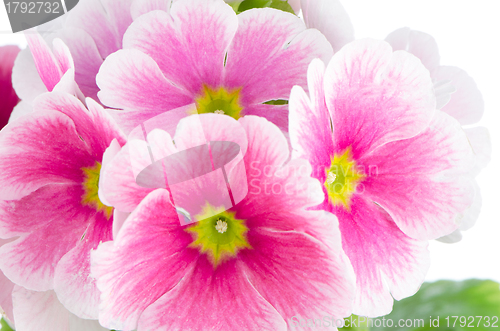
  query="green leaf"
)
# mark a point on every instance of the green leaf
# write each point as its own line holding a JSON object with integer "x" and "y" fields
{"x": 276, "y": 102}
{"x": 235, "y": 5}
{"x": 5, "y": 326}
{"x": 282, "y": 5}
{"x": 276, "y": 4}
{"x": 250, "y": 4}
{"x": 435, "y": 304}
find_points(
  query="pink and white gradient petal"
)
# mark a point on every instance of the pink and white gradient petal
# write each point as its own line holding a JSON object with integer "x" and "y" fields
{"x": 126, "y": 267}
{"x": 195, "y": 33}
{"x": 326, "y": 285}
{"x": 376, "y": 96}
{"x": 74, "y": 286}
{"x": 395, "y": 264}
{"x": 30, "y": 261}
{"x": 42, "y": 311}
{"x": 331, "y": 19}
{"x": 224, "y": 297}
{"x": 51, "y": 65}
{"x": 131, "y": 80}
{"x": 310, "y": 129}
{"x": 423, "y": 182}
{"x": 6, "y": 287}
{"x": 28, "y": 162}
{"x": 278, "y": 57}
{"x": 8, "y": 96}
{"x": 277, "y": 114}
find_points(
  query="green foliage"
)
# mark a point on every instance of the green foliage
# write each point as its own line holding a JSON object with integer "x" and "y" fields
{"x": 276, "y": 102}
{"x": 277, "y": 4}
{"x": 5, "y": 326}
{"x": 444, "y": 305}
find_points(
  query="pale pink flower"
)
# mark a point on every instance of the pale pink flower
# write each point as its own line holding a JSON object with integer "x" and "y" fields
{"x": 458, "y": 96}
{"x": 279, "y": 260}
{"x": 394, "y": 170}
{"x": 49, "y": 173}
{"x": 7, "y": 94}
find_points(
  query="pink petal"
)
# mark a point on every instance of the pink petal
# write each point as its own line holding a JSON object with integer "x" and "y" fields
{"x": 272, "y": 183}
{"x": 86, "y": 57}
{"x": 46, "y": 233}
{"x": 42, "y": 311}
{"x": 376, "y": 96}
{"x": 277, "y": 114}
{"x": 189, "y": 44}
{"x": 92, "y": 17}
{"x": 420, "y": 44}
{"x": 310, "y": 129}
{"x": 29, "y": 162}
{"x": 50, "y": 65}
{"x": 118, "y": 184}
{"x": 279, "y": 56}
{"x": 22, "y": 109}
{"x": 326, "y": 282}
{"x": 94, "y": 126}
{"x": 76, "y": 290}
{"x": 466, "y": 104}
{"x": 422, "y": 182}
{"x": 224, "y": 297}
{"x": 138, "y": 257}
{"x": 385, "y": 260}
{"x": 132, "y": 81}
{"x": 7, "y": 94}
{"x": 331, "y": 19}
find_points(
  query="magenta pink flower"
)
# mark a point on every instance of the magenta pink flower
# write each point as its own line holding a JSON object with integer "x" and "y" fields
{"x": 251, "y": 267}
{"x": 394, "y": 170}
{"x": 49, "y": 173}
{"x": 200, "y": 51}
{"x": 7, "y": 94}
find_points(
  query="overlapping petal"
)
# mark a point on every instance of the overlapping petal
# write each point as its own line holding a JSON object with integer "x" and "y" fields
{"x": 376, "y": 96}
{"x": 7, "y": 94}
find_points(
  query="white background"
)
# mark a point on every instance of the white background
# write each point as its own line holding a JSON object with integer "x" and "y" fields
{"x": 468, "y": 35}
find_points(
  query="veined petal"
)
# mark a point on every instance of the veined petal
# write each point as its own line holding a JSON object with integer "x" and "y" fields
{"x": 28, "y": 162}
{"x": 423, "y": 182}
{"x": 310, "y": 130}
{"x": 326, "y": 285}
{"x": 189, "y": 43}
{"x": 278, "y": 57}
{"x": 74, "y": 286}
{"x": 224, "y": 297}
{"x": 376, "y": 96}
{"x": 385, "y": 260}
{"x": 45, "y": 234}
{"x": 131, "y": 80}
{"x": 126, "y": 267}
{"x": 7, "y": 94}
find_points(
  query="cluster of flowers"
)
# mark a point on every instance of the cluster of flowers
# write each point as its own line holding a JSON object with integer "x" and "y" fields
{"x": 353, "y": 157}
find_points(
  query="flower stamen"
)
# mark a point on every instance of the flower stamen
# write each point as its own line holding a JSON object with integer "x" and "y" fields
{"x": 221, "y": 226}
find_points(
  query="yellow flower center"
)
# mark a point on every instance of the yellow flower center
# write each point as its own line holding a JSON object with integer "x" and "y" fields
{"x": 91, "y": 187}
{"x": 219, "y": 101}
{"x": 342, "y": 178}
{"x": 220, "y": 236}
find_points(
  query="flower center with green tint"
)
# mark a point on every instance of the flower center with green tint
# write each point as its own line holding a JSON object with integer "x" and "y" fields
{"x": 342, "y": 178}
{"x": 219, "y": 101}
{"x": 91, "y": 187}
{"x": 220, "y": 236}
